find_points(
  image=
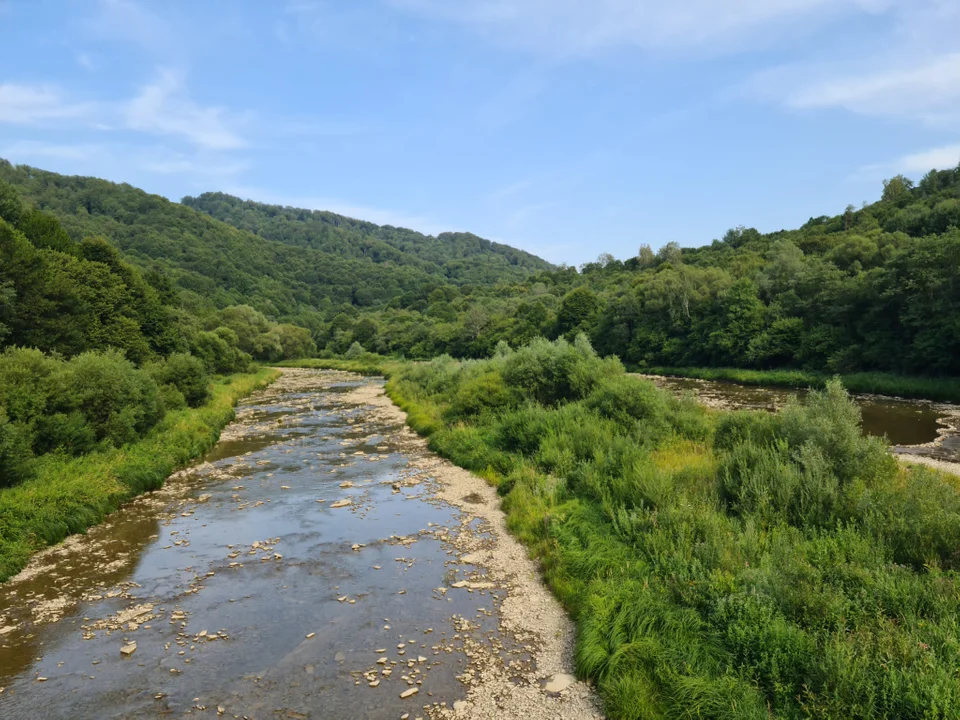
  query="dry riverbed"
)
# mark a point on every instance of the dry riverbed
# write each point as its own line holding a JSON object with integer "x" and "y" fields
{"x": 320, "y": 563}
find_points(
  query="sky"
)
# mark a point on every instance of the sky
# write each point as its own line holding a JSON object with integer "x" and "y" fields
{"x": 568, "y": 128}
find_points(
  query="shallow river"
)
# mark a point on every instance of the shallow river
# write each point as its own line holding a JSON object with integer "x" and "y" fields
{"x": 913, "y": 427}
{"x": 311, "y": 567}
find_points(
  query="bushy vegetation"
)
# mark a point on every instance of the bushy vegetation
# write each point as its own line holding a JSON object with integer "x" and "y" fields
{"x": 66, "y": 494}
{"x": 871, "y": 293}
{"x": 718, "y": 565}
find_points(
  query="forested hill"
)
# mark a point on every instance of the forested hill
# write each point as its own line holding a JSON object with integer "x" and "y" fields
{"x": 458, "y": 257}
{"x": 872, "y": 288}
{"x": 214, "y": 265}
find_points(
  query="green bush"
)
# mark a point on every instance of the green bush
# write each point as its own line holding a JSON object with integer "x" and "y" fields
{"x": 185, "y": 373}
{"x": 755, "y": 426}
{"x": 15, "y": 454}
{"x": 117, "y": 400}
{"x": 554, "y": 372}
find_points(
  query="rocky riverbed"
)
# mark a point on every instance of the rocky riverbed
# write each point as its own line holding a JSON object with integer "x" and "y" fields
{"x": 320, "y": 563}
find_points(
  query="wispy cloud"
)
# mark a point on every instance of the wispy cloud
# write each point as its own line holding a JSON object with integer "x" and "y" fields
{"x": 86, "y": 62}
{"x": 912, "y": 164}
{"x": 576, "y": 27}
{"x": 927, "y": 90}
{"x": 131, "y": 22}
{"x": 28, "y": 150}
{"x": 164, "y": 107}
{"x": 30, "y": 104}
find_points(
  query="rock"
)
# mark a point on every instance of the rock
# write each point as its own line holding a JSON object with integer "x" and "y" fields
{"x": 382, "y": 661}
{"x": 127, "y": 650}
{"x": 374, "y": 683}
{"x": 43, "y": 679}
{"x": 342, "y": 503}
{"x": 311, "y": 635}
{"x": 460, "y": 706}
{"x": 339, "y": 657}
{"x": 346, "y": 484}
{"x": 559, "y": 683}
{"x": 410, "y": 692}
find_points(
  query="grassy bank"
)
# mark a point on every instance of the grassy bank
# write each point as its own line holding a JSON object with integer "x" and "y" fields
{"x": 920, "y": 388}
{"x": 69, "y": 494}
{"x": 717, "y": 565}
{"x": 367, "y": 364}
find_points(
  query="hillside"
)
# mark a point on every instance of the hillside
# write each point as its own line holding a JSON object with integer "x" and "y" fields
{"x": 215, "y": 265}
{"x": 457, "y": 257}
{"x": 870, "y": 289}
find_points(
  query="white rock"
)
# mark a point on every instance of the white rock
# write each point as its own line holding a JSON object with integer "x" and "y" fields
{"x": 559, "y": 683}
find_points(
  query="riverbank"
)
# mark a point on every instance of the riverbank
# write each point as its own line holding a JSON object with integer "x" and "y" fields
{"x": 70, "y": 494}
{"x": 915, "y": 388}
{"x": 739, "y": 563}
{"x": 319, "y": 557}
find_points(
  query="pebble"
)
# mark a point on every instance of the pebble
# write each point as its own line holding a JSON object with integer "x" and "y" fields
{"x": 409, "y": 692}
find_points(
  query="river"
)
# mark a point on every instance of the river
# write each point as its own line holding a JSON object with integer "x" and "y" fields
{"x": 320, "y": 562}
{"x": 917, "y": 428}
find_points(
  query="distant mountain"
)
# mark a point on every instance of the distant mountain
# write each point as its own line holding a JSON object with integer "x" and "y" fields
{"x": 458, "y": 257}
{"x": 266, "y": 257}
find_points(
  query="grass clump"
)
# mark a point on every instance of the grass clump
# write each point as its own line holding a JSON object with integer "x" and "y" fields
{"x": 718, "y": 565}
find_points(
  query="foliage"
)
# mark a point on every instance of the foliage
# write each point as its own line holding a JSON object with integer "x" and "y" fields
{"x": 717, "y": 564}
{"x": 186, "y": 374}
{"x": 68, "y": 494}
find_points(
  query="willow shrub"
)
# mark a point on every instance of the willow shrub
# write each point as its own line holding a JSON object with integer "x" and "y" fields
{"x": 718, "y": 565}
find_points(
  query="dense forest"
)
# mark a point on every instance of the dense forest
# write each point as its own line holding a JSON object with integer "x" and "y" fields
{"x": 94, "y": 352}
{"x": 875, "y": 288}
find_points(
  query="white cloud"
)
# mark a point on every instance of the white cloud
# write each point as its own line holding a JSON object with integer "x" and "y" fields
{"x": 30, "y": 104}
{"x": 86, "y": 62}
{"x": 940, "y": 158}
{"x": 570, "y": 27}
{"x": 928, "y": 90}
{"x": 164, "y": 108}
{"x": 913, "y": 164}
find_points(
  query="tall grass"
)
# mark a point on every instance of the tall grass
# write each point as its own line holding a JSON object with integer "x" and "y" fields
{"x": 920, "y": 388}
{"x": 69, "y": 494}
{"x": 740, "y": 565}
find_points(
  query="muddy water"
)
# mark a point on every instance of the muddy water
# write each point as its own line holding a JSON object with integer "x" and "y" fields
{"x": 914, "y": 427}
{"x": 249, "y": 587}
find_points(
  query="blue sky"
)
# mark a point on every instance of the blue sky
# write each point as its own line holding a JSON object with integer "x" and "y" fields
{"x": 565, "y": 127}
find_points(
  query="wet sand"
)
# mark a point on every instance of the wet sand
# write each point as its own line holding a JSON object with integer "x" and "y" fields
{"x": 320, "y": 563}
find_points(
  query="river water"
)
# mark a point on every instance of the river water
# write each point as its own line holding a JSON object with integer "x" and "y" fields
{"x": 913, "y": 427}
{"x": 305, "y": 569}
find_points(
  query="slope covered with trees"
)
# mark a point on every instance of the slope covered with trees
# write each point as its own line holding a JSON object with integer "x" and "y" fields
{"x": 875, "y": 288}
{"x": 455, "y": 257}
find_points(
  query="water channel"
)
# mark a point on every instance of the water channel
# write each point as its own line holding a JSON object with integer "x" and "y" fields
{"x": 913, "y": 427}
{"x": 312, "y": 566}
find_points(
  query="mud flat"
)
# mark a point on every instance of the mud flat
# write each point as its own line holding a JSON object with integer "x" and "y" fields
{"x": 319, "y": 563}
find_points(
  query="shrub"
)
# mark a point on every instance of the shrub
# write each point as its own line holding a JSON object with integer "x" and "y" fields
{"x": 15, "y": 453}
{"x": 756, "y": 426}
{"x": 354, "y": 351}
{"x": 116, "y": 399}
{"x": 479, "y": 393}
{"x": 185, "y": 373}
{"x": 552, "y": 372}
